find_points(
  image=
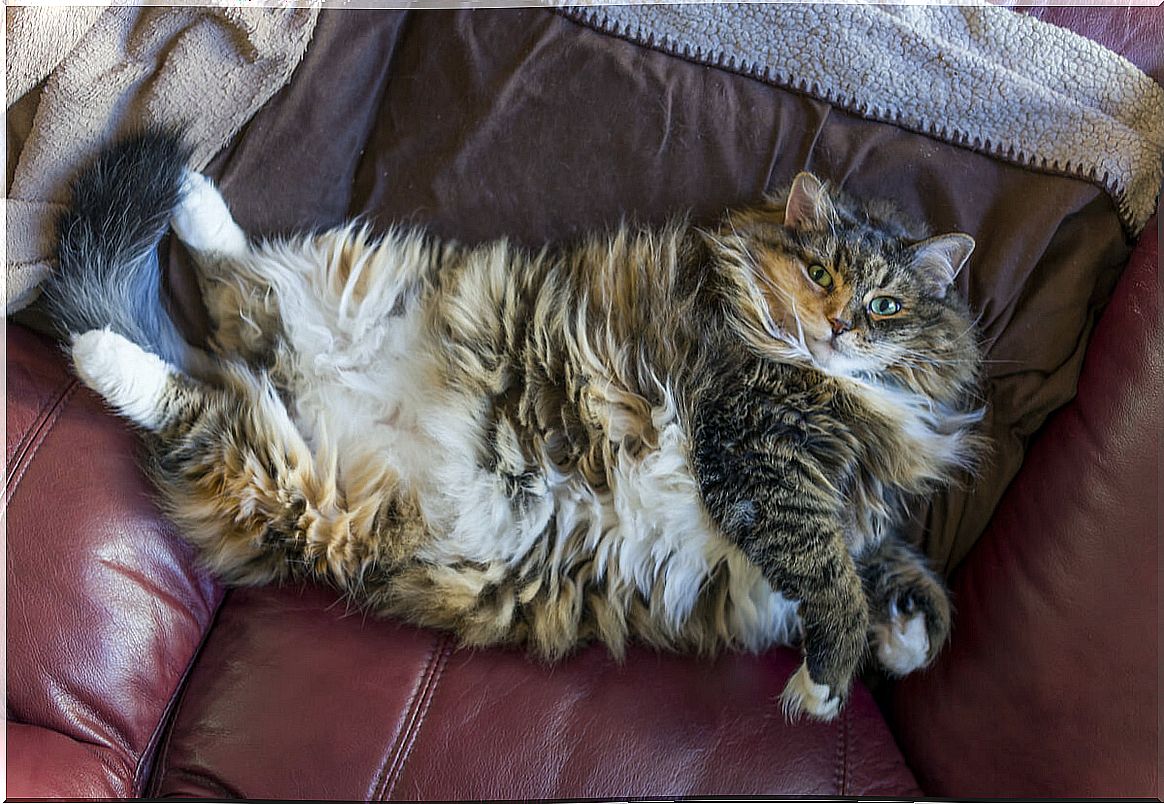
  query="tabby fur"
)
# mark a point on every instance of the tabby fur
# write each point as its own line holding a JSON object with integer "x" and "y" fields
{"x": 669, "y": 434}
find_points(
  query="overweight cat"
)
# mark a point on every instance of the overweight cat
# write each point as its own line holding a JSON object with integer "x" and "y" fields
{"x": 697, "y": 438}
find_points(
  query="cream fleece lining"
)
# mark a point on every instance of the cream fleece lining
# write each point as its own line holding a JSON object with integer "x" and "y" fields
{"x": 979, "y": 76}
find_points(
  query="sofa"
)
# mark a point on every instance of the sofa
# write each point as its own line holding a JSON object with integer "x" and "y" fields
{"x": 132, "y": 672}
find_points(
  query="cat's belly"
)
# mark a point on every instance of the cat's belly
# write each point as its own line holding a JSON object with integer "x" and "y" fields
{"x": 663, "y": 538}
{"x": 646, "y": 536}
{"x": 391, "y": 418}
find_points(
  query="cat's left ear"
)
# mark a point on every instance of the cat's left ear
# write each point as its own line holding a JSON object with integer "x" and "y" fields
{"x": 808, "y": 205}
{"x": 941, "y": 258}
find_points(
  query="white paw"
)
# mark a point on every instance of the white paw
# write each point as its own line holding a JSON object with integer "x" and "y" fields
{"x": 904, "y": 645}
{"x": 131, "y": 379}
{"x": 802, "y": 694}
{"x": 203, "y": 221}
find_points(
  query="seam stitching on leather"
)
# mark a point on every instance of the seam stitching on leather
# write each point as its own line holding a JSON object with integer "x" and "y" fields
{"x": 22, "y": 445}
{"x": 390, "y": 758}
{"x": 163, "y": 732}
{"x": 843, "y": 752}
{"x": 44, "y": 424}
{"x": 32, "y": 428}
{"x": 446, "y": 649}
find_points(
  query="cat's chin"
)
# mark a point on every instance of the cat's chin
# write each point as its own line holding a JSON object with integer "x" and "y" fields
{"x": 831, "y": 360}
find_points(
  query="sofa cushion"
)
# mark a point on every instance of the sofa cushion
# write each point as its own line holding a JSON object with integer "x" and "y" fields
{"x": 1050, "y": 684}
{"x": 295, "y": 696}
{"x": 105, "y": 608}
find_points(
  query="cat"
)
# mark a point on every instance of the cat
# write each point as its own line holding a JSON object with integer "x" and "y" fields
{"x": 695, "y": 437}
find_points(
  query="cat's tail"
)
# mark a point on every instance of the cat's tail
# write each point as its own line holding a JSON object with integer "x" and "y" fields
{"x": 108, "y": 274}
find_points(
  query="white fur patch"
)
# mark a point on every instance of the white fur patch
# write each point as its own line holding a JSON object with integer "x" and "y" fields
{"x": 203, "y": 222}
{"x": 904, "y": 646}
{"x": 131, "y": 379}
{"x": 802, "y": 694}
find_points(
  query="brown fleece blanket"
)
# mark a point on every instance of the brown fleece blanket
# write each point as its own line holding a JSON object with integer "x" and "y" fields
{"x": 79, "y": 76}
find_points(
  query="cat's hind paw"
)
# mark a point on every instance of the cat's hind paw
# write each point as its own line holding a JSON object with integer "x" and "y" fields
{"x": 802, "y": 695}
{"x": 131, "y": 379}
{"x": 903, "y": 644}
{"x": 203, "y": 221}
{"x": 913, "y": 627}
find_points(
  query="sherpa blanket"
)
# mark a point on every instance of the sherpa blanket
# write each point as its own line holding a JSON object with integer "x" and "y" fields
{"x": 978, "y": 76}
{"x": 83, "y": 75}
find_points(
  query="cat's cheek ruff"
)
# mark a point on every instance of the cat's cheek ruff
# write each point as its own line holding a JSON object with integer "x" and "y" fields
{"x": 930, "y": 442}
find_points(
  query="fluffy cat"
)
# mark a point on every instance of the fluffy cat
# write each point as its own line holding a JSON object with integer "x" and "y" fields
{"x": 699, "y": 438}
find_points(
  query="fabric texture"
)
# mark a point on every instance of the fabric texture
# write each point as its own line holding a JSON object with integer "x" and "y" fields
{"x": 100, "y": 72}
{"x": 980, "y": 76}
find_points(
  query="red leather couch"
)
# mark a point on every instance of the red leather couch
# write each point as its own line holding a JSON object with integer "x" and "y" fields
{"x": 132, "y": 673}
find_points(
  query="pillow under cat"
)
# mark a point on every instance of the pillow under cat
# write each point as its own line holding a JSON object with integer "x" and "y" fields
{"x": 698, "y": 438}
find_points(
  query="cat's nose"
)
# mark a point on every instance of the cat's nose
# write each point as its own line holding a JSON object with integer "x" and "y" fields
{"x": 840, "y": 325}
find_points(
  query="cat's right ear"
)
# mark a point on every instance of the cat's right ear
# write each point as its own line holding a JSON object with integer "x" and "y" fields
{"x": 808, "y": 205}
{"x": 941, "y": 258}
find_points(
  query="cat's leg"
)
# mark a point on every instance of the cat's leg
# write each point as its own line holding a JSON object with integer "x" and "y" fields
{"x": 203, "y": 221}
{"x": 908, "y": 605}
{"x": 243, "y": 311}
{"x": 798, "y": 545}
{"x": 813, "y": 567}
{"x": 766, "y": 487}
{"x": 240, "y": 482}
{"x": 137, "y": 384}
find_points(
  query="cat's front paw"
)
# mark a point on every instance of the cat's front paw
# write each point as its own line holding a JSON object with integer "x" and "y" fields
{"x": 203, "y": 221}
{"x": 131, "y": 379}
{"x": 802, "y": 695}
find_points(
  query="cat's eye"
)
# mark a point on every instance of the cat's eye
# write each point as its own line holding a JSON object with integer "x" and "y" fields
{"x": 884, "y": 306}
{"x": 820, "y": 275}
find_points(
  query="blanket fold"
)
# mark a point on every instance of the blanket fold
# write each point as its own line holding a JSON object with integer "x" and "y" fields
{"x": 103, "y": 71}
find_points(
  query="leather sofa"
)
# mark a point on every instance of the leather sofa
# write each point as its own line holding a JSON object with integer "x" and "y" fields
{"x": 132, "y": 673}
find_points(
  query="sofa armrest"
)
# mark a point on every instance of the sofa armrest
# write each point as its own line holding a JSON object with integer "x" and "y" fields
{"x": 106, "y": 608}
{"x": 1049, "y": 684}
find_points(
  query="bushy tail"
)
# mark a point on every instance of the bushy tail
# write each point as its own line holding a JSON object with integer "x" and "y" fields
{"x": 108, "y": 273}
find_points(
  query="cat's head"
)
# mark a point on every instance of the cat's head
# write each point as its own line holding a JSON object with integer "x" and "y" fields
{"x": 850, "y": 288}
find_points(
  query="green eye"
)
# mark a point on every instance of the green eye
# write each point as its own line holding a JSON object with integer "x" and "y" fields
{"x": 885, "y": 306}
{"x": 818, "y": 274}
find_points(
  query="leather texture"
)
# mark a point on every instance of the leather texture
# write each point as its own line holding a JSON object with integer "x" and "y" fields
{"x": 295, "y": 697}
{"x": 105, "y": 608}
{"x": 1050, "y": 683}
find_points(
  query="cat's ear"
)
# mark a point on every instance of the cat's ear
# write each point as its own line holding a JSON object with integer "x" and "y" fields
{"x": 808, "y": 205}
{"x": 941, "y": 258}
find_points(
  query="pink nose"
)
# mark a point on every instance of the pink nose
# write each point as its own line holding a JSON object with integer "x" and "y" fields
{"x": 840, "y": 325}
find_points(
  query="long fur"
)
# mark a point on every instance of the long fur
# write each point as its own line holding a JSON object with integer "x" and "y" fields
{"x": 654, "y": 434}
{"x": 107, "y": 242}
